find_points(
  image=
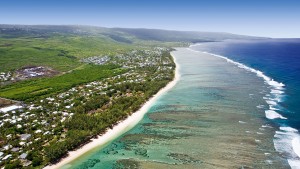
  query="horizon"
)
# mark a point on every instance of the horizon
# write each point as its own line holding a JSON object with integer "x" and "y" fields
{"x": 152, "y": 29}
{"x": 271, "y": 18}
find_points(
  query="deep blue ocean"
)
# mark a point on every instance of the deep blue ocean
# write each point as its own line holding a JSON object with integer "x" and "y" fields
{"x": 279, "y": 60}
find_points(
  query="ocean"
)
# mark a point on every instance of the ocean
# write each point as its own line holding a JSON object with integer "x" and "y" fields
{"x": 278, "y": 60}
{"x": 236, "y": 105}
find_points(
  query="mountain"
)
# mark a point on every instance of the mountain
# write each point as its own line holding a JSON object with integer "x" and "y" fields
{"x": 183, "y": 36}
{"x": 123, "y": 35}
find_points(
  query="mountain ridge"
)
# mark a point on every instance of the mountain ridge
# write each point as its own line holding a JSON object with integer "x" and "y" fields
{"x": 123, "y": 35}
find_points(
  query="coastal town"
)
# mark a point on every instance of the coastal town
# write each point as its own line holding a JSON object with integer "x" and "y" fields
{"x": 195, "y": 84}
{"x": 30, "y": 132}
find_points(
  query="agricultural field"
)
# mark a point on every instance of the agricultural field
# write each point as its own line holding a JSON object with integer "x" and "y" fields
{"x": 58, "y": 52}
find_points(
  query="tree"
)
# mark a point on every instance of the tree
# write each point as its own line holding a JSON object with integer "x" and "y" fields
{"x": 13, "y": 165}
{"x": 37, "y": 160}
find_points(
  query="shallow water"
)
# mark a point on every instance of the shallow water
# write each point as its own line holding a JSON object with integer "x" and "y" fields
{"x": 213, "y": 118}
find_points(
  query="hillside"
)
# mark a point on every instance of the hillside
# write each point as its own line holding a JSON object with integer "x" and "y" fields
{"x": 125, "y": 35}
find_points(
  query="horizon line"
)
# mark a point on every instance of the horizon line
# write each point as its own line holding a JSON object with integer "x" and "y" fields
{"x": 98, "y": 26}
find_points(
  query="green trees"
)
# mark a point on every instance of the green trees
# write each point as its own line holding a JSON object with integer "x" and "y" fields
{"x": 13, "y": 165}
{"x": 56, "y": 151}
{"x": 37, "y": 161}
{"x": 95, "y": 103}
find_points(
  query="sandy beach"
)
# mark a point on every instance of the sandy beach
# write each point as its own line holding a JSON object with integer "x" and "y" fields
{"x": 120, "y": 128}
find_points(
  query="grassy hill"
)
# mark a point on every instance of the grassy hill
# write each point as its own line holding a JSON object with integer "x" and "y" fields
{"x": 61, "y": 47}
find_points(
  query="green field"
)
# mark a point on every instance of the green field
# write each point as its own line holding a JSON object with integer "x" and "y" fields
{"x": 59, "y": 52}
{"x": 30, "y": 89}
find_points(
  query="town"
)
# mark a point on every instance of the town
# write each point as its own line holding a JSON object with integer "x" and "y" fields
{"x": 32, "y": 131}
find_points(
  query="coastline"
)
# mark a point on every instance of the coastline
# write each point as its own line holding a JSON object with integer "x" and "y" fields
{"x": 121, "y": 127}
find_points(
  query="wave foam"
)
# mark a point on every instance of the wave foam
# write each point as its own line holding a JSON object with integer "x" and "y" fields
{"x": 268, "y": 80}
{"x": 271, "y": 102}
{"x": 287, "y": 142}
{"x": 271, "y": 107}
{"x": 288, "y": 129}
{"x": 260, "y": 106}
{"x": 296, "y": 146}
{"x": 271, "y": 114}
{"x": 242, "y": 122}
{"x": 266, "y": 126}
{"x": 294, "y": 164}
{"x": 276, "y": 91}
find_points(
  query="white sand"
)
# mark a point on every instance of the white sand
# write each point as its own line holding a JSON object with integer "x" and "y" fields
{"x": 120, "y": 128}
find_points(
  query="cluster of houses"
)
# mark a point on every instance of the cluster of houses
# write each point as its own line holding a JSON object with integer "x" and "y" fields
{"x": 33, "y": 72}
{"x": 10, "y": 117}
{"x": 66, "y": 100}
{"x": 38, "y": 122}
{"x": 26, "y": 73}
{"x": 97, "y": 60}
{"x": 5, "y": 76}
{"x": 142, "y": 58}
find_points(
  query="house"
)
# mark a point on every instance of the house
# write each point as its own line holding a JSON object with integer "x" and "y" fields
{"x": 15, "y": 149}
{"x": 7, "y": 147}
{"x": 47, "y": 132}
{"x": 38, "y": 131}
{"x": 10, "y": 108}
{"x": 7, "y": 157}
{"x": 22, "y": 143}
{"x": 23, "y": 156}
{"x": 25, "y": 136}
{"x": 65, "y": 114}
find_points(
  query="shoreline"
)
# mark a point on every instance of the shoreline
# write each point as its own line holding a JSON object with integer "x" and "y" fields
{"x": 121, "y": 127}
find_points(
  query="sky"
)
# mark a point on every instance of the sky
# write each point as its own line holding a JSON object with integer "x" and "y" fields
{"x": 267, "y": 18}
